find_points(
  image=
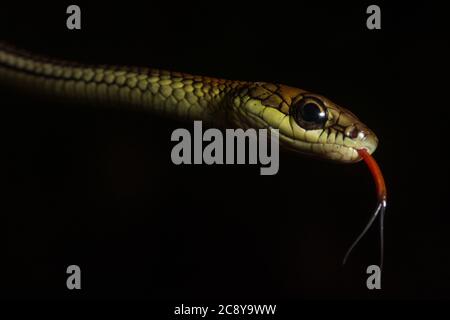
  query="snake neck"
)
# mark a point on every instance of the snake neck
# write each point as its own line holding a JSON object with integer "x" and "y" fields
{"x": 173, "y": 94}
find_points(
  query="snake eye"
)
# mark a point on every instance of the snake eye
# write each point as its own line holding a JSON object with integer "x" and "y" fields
{"x": 310, "y": 114}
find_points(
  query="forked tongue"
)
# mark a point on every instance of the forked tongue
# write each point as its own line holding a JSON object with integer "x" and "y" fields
{"x": 381, "y": 206}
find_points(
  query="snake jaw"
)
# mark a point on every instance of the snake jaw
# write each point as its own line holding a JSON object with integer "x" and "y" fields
{"x": 329, "y": 144}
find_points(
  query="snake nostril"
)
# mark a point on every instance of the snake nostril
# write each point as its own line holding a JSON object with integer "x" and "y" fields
{"x": 352, "y": 132}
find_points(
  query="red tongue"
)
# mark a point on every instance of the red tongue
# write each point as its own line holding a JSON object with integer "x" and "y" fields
{"x": 376, "y": 173}
{"x": 381, "y": 207}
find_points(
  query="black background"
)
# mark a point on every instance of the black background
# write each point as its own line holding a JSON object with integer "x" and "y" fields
{"x": 96, "y": 187}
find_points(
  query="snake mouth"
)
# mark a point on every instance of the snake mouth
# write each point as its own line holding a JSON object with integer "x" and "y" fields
{"x": 327, "y": 151}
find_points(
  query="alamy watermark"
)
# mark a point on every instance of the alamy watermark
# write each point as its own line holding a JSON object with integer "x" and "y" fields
{"x": 74, "y": 279}
{"x": 73, "y": 21}
{"x": 373, "y": 22}
{"x": 190, "y": 150}
{"x": 374, "y": 280}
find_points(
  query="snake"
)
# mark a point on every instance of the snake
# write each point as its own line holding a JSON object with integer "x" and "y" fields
{"x": 307, "y": 123}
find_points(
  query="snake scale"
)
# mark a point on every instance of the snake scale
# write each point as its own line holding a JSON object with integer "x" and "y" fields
{"x": 308, "y": 123}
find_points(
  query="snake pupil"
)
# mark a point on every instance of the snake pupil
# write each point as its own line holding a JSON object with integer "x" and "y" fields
{"x": 309, "y": 115}
{"x": 312, "y": 113}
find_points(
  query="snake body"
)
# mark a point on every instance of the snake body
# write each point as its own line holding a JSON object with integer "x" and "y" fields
{"x": 308, "y": 123}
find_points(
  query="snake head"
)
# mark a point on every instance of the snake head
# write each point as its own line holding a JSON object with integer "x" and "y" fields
{"x": 308, "y": 123}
